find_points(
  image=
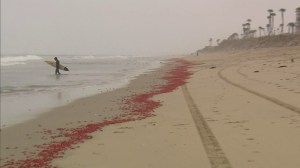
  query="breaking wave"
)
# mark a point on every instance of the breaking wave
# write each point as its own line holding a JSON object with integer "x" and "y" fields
{"x": 17, "y": 60}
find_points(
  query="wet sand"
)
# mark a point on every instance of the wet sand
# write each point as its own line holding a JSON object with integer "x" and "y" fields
{"x": 38, "y": 142}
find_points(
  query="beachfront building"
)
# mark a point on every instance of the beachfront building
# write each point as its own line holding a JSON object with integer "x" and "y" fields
{"x": 298, "y": 20}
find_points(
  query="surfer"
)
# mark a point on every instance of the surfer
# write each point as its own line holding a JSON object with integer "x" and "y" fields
{"x": 57, "y": 66}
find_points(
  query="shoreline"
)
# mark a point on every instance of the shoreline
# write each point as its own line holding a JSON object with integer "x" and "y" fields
{"x": 242, "y": 128}
{"x": 41, "y": 134}
{"x": 40, "y": 99}
{"x": 228, "y": 106}
{"x": 46, "y": 101}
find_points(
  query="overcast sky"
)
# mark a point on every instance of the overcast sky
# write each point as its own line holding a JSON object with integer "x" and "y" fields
{"x": 127, "y": 27}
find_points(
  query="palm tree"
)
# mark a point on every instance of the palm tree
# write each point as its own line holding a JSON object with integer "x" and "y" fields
{"x": 291, "y": 26}
{"x": 282, "y": 10}
{"x": 247, "y": 26}
{"x": 245, "y": 29}
{"x": 272, "y": 20}
{"x": 281, "y": 26}
{"x": 218, "y": 40}
{"x": 270, "y": 11}
{"x": 249, "y": 23}
{"x": 263, "y": 29}
{"x": 269, "y": 25}
{"x": 260, "y": 30}
{"x": 252, "y": 33}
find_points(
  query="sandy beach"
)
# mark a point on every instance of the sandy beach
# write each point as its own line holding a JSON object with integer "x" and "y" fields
{"x": 225, "y": 109}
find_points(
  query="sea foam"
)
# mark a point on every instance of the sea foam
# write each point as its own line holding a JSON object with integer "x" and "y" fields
{"x": 17, "y": 60}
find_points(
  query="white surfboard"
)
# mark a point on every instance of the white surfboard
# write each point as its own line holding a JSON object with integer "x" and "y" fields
{"x": 53, "y": 63}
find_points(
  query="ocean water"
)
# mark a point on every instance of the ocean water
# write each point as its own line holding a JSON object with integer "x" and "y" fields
{"x": 29, "y": 86}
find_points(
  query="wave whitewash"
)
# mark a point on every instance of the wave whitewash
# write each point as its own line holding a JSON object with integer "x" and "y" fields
{"x": 30, "y": 80}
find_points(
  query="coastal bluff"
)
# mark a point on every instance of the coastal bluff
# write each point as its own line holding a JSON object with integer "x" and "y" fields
{"x": 283, "y": 40}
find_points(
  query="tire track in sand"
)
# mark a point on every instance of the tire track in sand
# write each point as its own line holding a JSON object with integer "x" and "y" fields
{"x": 213, "y": 150}
{"x": 271, "y": 99}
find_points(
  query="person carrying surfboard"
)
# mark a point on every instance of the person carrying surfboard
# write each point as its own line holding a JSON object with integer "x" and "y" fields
{"x": 57, "y": 66}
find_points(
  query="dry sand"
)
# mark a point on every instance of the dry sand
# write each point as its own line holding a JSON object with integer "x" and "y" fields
{"x": 169, "y": 139}
{"x": 248, "y": 100}
{"x": 239, "y": 109}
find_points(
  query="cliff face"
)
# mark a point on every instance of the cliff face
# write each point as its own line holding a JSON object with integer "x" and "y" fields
{"x": 284, "y": 40}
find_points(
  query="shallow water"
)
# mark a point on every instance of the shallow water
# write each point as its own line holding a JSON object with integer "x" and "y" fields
{"x": 29, "y": 86}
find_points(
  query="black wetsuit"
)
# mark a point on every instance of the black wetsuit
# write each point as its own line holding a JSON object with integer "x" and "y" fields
{"x": 57, "y": 67}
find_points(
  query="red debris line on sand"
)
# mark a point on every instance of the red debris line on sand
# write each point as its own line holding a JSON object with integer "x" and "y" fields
{"x": 136, "y": 107}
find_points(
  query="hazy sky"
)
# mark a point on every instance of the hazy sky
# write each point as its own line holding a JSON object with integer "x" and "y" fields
{"x": 135, "y": 27}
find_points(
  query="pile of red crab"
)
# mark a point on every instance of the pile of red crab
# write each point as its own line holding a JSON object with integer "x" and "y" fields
{"x": 136, "y": 107}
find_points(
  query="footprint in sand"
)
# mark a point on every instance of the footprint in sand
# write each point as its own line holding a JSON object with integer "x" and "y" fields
{"x": 180, "y": 124}
{"x": 211, "y": 120}
{"x": 152, "y": 123}
{"x": 216, "y": 111}
{"x": 96, "y": 153}
{"x": 125, "y": 128}
{"x": 256, "y": 152}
